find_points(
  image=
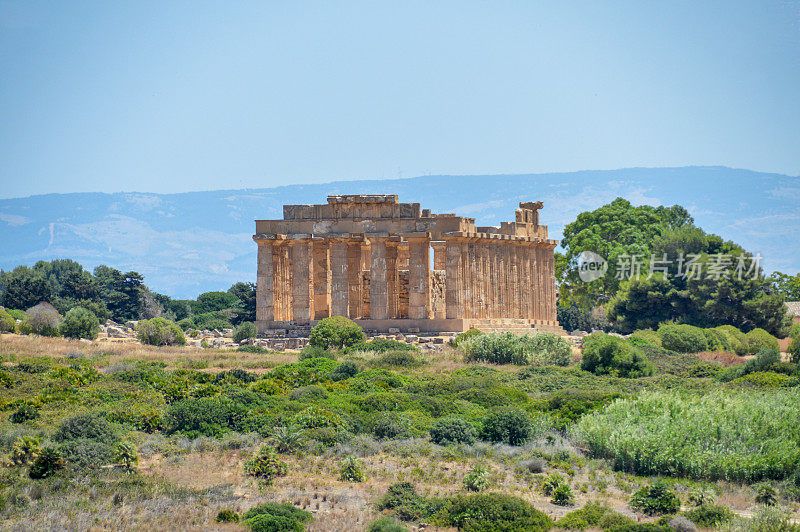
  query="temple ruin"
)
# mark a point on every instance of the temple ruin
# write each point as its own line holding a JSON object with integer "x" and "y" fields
{"x": 389, "y": 265}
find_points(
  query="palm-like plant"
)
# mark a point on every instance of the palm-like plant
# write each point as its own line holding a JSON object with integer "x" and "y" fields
{"x": 287, "y": 439}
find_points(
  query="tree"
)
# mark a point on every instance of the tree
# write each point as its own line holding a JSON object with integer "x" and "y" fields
{"x": 644, "y": 303}
{"x": 80, "y": 323}
{"x": 22, "y": 288}
{"x": 121, "y": 291}
{"x": 246, "y": 294}
{"x": 214, "y": 302}
{"x": 786, "y": 285}
{"x": 613, "y": 231}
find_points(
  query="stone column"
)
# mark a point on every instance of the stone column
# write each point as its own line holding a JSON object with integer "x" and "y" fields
{"x": 469, "y": 278}
{"x": 354, "y": 279}
{"x": 439, "y": 254}
{"x": 551, "y": 272}
{"x": 322, "y": 279}
{"x": 419, "y": 293}
{"x": 526, "y": 266}
{"x": 454, "y": 292}
{"x": 282, "y": 276}
{"x": 540, "y": 289}
{"x": 478, "y": 279}
{"x": 339, "y": 277}
{"x": 494, "y": 269}
{"x": 265, "y": 311}
{"x": 509, "y": 277}
{"x": 378, "y": 286}
{"x": 302, "y": 255}
{"x": 392, "y": 281}
{"x": 516, "y": 284}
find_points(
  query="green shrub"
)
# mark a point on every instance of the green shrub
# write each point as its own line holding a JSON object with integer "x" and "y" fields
{"x": 765, "y": 359}
{"x": 707, "y": 436}
{"x": 567, "y": 406}
{"x": 126, "y": 455}
{"x": 351, "y": 470}
{"x": 758, "y": 339}
{"x": 287, "y": 439}
{"x": 159, "y": 331}
{"x": 477, "y": 479}
{"x": 614, "y": 521}
{"x": 494, "y": 348}
{"x": 273, "y": 517}
{"x": 245, "y": 331}
{"x": 211, "y": 320}
{"x": 507, "y": 426}
{"x": 466, "y": 335}
{"x": 336, "y": 332}
{"x": 716, "y": 340}
{"x": 379, "y": 345}
{"x": 25, "y": 450}
{"x": 396, "y": 359}
{"x": 7, "y": 322}
{"x": 765, "y": 379}
{"x": 709, "y": 515}
{"x": 550, "y": 483}
{"x": 24, "y": 412}
{"x": 41, "y": 319}
{"x": 315, "y": 351}
{"x": 386, "y": 524}
{"x": 563, "y": 495}
{"x": 344, "y": 371}
{"x": 656, "y": 499}
{"x": 586, "y": 517}
{"x": 227, "y": 516}
{"x": 80, "y": 323}
{"x": 794, "y": 350}
{"x": 766, "y": 495}
{"x": 252, "y": 349}
{"x": 649, "y": 336}
{"x": 609, "y": 355}
{"x": 46, "y": 463}
{"x": 265, "y": 465}
{"x": 494, "y": 512}
{"x": 16, "y": 314}
{"x": 187, "y": 323}
{"x": 682, "y": 338}
{"x": 209, "y": 416}
{"x": 452, "y": 429}
{"x": 403, "y": 500}
{"x": 733, "y": 337}
{"x": 545, "y": 349}
{"x": 88, "y": 426}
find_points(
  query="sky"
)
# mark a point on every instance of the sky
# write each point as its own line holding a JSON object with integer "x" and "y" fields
{"x": 175, "y": 96}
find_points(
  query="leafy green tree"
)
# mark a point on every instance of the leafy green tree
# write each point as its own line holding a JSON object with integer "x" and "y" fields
{"x": 612, "y": 231}
{"x": 214, "y": 302}
{"x": 786, "y": 285}
{"x": 246, "y": 294}
{"x": 79, "y": 323}
{"x": 22, "y": 288}
{"x": 644, "y": 303}
{"x": 122, "y": 292}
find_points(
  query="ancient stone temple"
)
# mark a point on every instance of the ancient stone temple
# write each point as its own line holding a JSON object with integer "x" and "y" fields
{"x": 390, "y": 265}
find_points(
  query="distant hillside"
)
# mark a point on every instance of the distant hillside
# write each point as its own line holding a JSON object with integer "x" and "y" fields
{"x": 189, "y": 243}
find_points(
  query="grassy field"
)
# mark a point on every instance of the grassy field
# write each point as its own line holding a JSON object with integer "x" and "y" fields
{"x": 194, "y": 421}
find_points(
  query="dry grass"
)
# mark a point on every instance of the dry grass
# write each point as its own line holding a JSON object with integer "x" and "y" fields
{"x": 721, "y": 357}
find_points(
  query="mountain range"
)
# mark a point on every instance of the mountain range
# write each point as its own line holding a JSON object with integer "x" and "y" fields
{"x": 188, "y": 243}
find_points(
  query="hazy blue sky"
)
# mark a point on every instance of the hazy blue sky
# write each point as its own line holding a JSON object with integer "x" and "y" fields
{"x": 176, "y": 96}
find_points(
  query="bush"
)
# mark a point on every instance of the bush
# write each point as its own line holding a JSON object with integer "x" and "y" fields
{"x": 563, "y": 495}
{"x": 396, "y": 359}
{"x": 41, "y": 319}
{"x": 545, "y": 349}
{"x": 126, "y": 455}
{"x": 252, "y": 349}
{"x": 494, "y": 512}
{"x": 273, "y": 517}
{"x": 23, "y": 413}
{"x": 227, "y": 516}
{"x": 567, "y": 406}
{"x": 588, "y": 516}
{"x": 499, "y": 348}
{"x": 315, "y": 351}
{"x": 386, "y": 524}
{"x": 209, "y": 416}
{"x": 86, "y": 426}
{"x": 25, "y": 450}
{"x": 758, "y": 339}
{"x": 245, "y": 331}
{"x": 507, "y": 426}
{"x": 351, "y": 470}
{"x": 766, "y": 495}
{"x": 287, "y": 439}
{"x": 615, "y": 521}
{"x": 466, "y": 335}
{"x": 649, "y": 336}
{"x": 187, "y": 323}
{"x": 336, "y": 332}
{"x": 380, "y": 345}
{"x": 406, "y": 503}
{"x": 709, "y": 515}
{"x": 794, "y": 350}
{"x": 159, "y": 331}
{"x": 656, "y": 499}
{"x": 732, "y": 336}
{"x": 80, "y": 323}
{"x": 46, "y": 463}
{"x": 343, "y": 371}
{"x": 7, "y": 322}
{"x": 453, "y": 429}
{"x": 477, "y": 479}
{"x": 265, "y": 465}
{"x": 609, "y": 355}
{"x": 682, "y": 338}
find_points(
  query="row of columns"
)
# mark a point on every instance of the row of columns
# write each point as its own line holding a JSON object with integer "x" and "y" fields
{"x": 306, "y": 278}
{"x": 494, "y": 278}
